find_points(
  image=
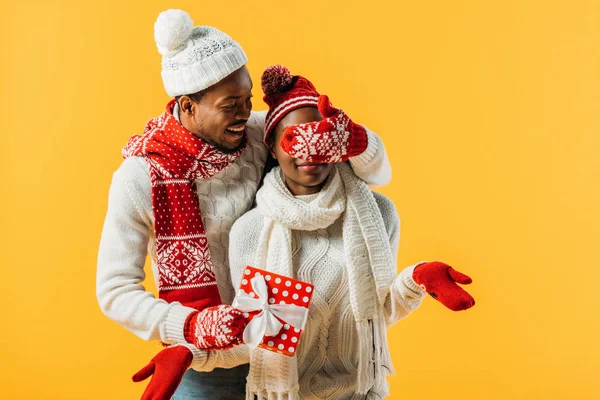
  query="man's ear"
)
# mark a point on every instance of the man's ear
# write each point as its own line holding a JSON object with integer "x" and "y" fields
{"x": 186, "y": 105}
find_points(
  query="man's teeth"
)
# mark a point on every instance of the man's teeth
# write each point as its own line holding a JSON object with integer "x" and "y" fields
{"x": 236, "y": 129}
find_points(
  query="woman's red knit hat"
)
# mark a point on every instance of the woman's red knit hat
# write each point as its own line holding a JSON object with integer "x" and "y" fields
{"x": 285, "y": 93}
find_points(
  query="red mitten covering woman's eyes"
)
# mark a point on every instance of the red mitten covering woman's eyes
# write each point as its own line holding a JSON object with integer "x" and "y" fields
{"x": 334, "y": 139}
{"x": 440, "y": 281}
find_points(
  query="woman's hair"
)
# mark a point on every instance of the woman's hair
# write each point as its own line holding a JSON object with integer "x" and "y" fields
{"x": 270, "y": 163}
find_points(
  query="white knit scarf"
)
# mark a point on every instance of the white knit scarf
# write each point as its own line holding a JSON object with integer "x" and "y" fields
{"x": 369, "y": 264}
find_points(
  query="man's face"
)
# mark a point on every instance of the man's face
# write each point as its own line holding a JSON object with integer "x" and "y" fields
{"x": 220, "y": 116}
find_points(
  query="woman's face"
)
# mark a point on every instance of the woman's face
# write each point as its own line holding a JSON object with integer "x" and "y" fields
{"x": 301, "y": 177}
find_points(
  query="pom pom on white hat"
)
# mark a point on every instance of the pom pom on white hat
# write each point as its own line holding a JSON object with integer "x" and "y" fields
{"x": 172, "y": 30}
{"x": 194, "y": 58}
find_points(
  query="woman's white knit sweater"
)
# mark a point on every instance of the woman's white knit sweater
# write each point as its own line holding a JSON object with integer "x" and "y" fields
{"x": 327, "y": 353}
{"x": 128, "y": 236}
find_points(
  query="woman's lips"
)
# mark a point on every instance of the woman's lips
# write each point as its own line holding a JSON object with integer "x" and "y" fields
{"x": 310, "y": 167}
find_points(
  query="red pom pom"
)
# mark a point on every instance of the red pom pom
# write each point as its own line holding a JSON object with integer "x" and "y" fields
{"x": 275, "y": 79}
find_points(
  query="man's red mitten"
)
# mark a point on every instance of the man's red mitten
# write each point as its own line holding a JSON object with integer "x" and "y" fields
{"x": 440, "y": 281}
{"x": 215, "y": 328}
{"x": 334, "y": 139}
{"x": 167, "y": 369}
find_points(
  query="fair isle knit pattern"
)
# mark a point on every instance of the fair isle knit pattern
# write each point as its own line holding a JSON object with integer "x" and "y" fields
{"x": 177, "y": 158}
{"x": 313, "y": 139}
{"x": 369, "y": 270}
{"x": 331, "y": 140}
{"x": 217, "y": 327}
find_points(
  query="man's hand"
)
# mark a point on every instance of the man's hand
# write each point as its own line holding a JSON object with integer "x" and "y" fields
{"x": 215, "y": 328}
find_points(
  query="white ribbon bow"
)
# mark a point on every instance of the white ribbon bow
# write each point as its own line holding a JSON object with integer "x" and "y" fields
{"x": 264, "y": 323}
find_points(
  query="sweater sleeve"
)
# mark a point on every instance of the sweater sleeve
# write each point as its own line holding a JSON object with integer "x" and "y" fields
{"x": 405, "y": 294}
{"x": 121, "y": 258}
{"x": 372, "y": 165}
{"x": 206, "y": 361}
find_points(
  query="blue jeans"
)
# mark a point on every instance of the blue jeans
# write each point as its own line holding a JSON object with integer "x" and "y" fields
{"x": 219, "y": 384}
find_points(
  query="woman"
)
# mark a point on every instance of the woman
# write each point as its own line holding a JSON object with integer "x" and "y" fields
{"x": 317, "y": 222}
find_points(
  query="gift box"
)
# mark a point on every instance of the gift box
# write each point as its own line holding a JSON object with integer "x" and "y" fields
{"x": 276, "y": 308}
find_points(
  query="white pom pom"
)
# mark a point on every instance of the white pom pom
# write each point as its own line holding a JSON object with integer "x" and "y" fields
{"x": 172, "y": 30}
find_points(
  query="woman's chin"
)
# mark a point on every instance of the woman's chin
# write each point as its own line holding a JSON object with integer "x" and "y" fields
{"x": 312, "y": 181}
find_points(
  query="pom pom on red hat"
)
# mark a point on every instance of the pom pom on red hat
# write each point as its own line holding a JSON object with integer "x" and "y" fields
{"x": 276, "y": 79}
{"x": 285, "y": 93}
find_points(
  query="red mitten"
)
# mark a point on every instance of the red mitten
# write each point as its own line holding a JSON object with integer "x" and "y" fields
{"x": 215, "y": 328}
{"x": 167, "y": 369}
{"x": 334, "y": 139}
{"x": 440, "y": 281}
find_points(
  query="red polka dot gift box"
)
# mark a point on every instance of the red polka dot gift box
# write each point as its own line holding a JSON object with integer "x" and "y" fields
{"x": 276, "y": 308}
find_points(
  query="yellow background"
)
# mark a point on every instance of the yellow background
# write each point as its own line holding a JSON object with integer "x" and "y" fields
{"x": 490, "y": 114}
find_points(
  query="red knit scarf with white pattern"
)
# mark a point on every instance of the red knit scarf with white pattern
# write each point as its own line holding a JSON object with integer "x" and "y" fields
{"x": 176, "y": 159}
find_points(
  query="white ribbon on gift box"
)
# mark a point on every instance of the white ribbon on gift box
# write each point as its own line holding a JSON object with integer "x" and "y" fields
{"x": 264, "y": 323}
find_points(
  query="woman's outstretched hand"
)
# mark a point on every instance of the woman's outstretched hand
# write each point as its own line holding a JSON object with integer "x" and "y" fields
{"x": 440, "y": 281}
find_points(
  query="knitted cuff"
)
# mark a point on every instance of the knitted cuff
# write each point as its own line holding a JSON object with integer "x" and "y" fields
{"x": 409, "y": 283}
{"x": 358, "y": 141}
{"x": 189, "y": 329}
{"x": 200, "y": 357}
{"x": 369, "y": 151}
{"x": 174, "y": 324}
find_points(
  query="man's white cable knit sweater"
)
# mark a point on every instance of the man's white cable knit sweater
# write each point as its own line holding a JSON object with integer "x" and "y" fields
{"x": 328, "y": 351}
{"x": 128, "y": 236}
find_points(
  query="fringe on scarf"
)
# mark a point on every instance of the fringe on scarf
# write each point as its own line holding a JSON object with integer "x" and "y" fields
{"x": 272, "y": 376}
{"x": 374, "y": 360}
{"x": 264, "y": 395}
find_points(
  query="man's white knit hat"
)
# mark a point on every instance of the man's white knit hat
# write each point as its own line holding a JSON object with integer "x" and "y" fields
{"x": 194, "y": 58}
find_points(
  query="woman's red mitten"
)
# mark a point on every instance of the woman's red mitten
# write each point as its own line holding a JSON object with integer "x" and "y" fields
{"x": 440, "y": 281}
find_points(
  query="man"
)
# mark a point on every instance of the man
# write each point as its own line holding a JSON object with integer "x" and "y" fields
{"x": 183, "y": 183}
